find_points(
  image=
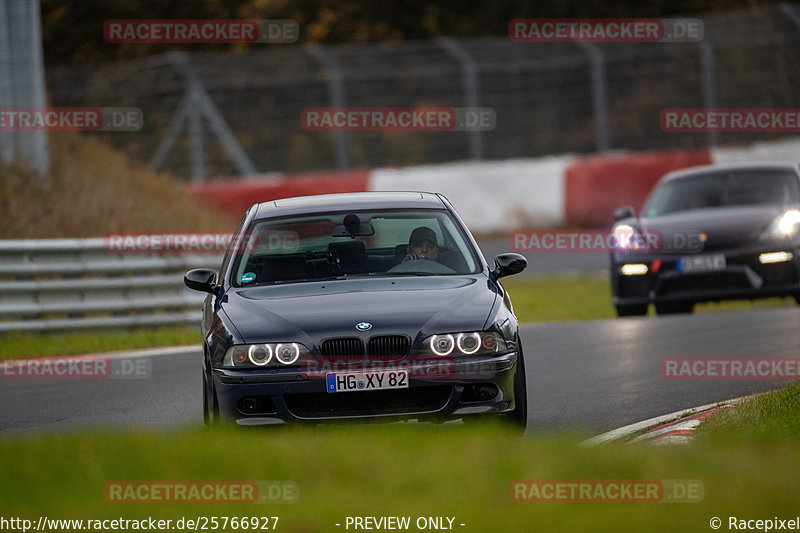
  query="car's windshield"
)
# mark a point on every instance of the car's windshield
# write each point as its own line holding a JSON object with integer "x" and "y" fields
{"x": 353, "y": 244}
{"x": 721, "y": 189}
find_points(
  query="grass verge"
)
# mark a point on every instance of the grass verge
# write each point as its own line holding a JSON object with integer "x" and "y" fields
{"x": 28, "y": 345}
{"x": 768, "y": 416}
{"x": 460, "y": 471}
{"x": 95, "y": 190}
{"x": 562, "y": 298}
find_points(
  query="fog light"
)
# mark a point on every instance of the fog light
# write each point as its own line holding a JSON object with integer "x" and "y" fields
{"x": 775, "y": 257}
{"x": 248, "y": 405}
{"x": 634, "y": 269}
{"x": 482, "y": 392}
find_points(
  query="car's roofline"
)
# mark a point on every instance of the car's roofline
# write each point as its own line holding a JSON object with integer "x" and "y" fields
{"x": 712, "y": 169}
{"x": 321, "y": 203}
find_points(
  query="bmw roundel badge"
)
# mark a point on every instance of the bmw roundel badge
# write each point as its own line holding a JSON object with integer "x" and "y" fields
{"x": 363, "y": 326}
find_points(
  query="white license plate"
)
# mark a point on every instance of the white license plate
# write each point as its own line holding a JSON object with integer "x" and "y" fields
{"x": 701, "y": 263}
{"x": 363, "y": 381}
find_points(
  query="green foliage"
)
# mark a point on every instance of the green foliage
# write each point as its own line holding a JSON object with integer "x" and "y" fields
{"x": 73, "y": 31}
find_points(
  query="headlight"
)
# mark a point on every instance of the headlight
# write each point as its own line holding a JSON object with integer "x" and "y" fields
{"x": 786, "y": 225}
{"x": 287, "y": 353}
{"x": 261, "y": 355}
{"x": 442, "y": 344}
{"x": 628, "y": 239}
{"x": 468, "y": 343}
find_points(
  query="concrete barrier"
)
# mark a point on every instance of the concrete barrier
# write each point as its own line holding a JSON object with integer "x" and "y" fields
{"x": 494, "y": 196}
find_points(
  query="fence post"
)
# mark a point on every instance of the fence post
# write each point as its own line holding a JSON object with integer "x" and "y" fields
{"x": 471, "y": 88}
{"x": 599, "y": 101}
{"x": 707, "y": 75}
{"x": 335, "y": 99}
{"x": 22, "y": 83}
{"x": 195, "y": 105}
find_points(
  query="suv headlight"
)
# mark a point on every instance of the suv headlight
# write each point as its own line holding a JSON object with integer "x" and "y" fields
{"x": 268, "y": 355}
{"x": 786, "y": 225}
{"x": 466, "y": 343}
{"x": 629, "y": 239}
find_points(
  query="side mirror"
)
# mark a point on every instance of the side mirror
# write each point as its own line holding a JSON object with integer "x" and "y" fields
{"x": 201, "y": 279}
{"x": 508, "y": 264}
{"x": 626, "y": 211}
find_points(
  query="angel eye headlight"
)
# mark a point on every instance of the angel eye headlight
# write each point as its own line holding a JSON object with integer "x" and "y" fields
{"x": 259, "y": 354}
{"x": 287, "y": 353}
{"x": 442, "y": 344}
{"x": 468, "y": 343}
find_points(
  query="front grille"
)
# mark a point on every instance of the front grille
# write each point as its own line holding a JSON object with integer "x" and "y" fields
{"x": 388, "y": 347}
{"x": 383, "y": 402}
{"x": 343, "y": 347}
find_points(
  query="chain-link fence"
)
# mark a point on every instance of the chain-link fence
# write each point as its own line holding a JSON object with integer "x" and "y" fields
{"x": 235, "y": 113}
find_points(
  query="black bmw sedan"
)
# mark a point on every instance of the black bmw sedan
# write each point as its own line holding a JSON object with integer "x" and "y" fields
{"x": 707, "y": 234}
{"x": 358, "y": 306}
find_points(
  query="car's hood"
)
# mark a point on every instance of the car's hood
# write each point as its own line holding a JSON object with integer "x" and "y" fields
{"x": 722, "y": 226}
{"x": 311, "y": 311}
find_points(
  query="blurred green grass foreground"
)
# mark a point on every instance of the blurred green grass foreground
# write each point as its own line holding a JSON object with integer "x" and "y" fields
{"x": 746, "y": 469}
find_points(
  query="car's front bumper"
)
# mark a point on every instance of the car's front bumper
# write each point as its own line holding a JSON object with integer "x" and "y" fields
{"x": 744, "y": 277}
{"x": 437, "y": 390}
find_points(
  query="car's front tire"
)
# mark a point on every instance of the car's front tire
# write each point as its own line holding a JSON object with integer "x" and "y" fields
{"x": 519, "y": 416}
{"x": 631, "y": 310}
{"x": 210, "y": 405}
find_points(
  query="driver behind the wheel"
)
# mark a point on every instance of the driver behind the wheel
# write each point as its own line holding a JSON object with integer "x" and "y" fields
{"x": 422, "y": 244}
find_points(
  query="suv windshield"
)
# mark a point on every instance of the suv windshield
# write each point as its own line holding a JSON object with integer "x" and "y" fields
{"x": 354, "y": 244}
{"x": 721, "y": 189}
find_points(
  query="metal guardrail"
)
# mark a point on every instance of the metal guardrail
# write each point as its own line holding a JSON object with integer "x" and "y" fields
{"x": 63, "y": 284}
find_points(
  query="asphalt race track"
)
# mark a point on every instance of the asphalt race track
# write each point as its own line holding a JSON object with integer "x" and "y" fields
{"x": 593, "y": 376}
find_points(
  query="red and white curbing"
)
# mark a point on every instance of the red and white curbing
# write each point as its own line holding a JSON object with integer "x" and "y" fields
{"x": 678, "y": 432}
{"x": 672, "y": 428}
